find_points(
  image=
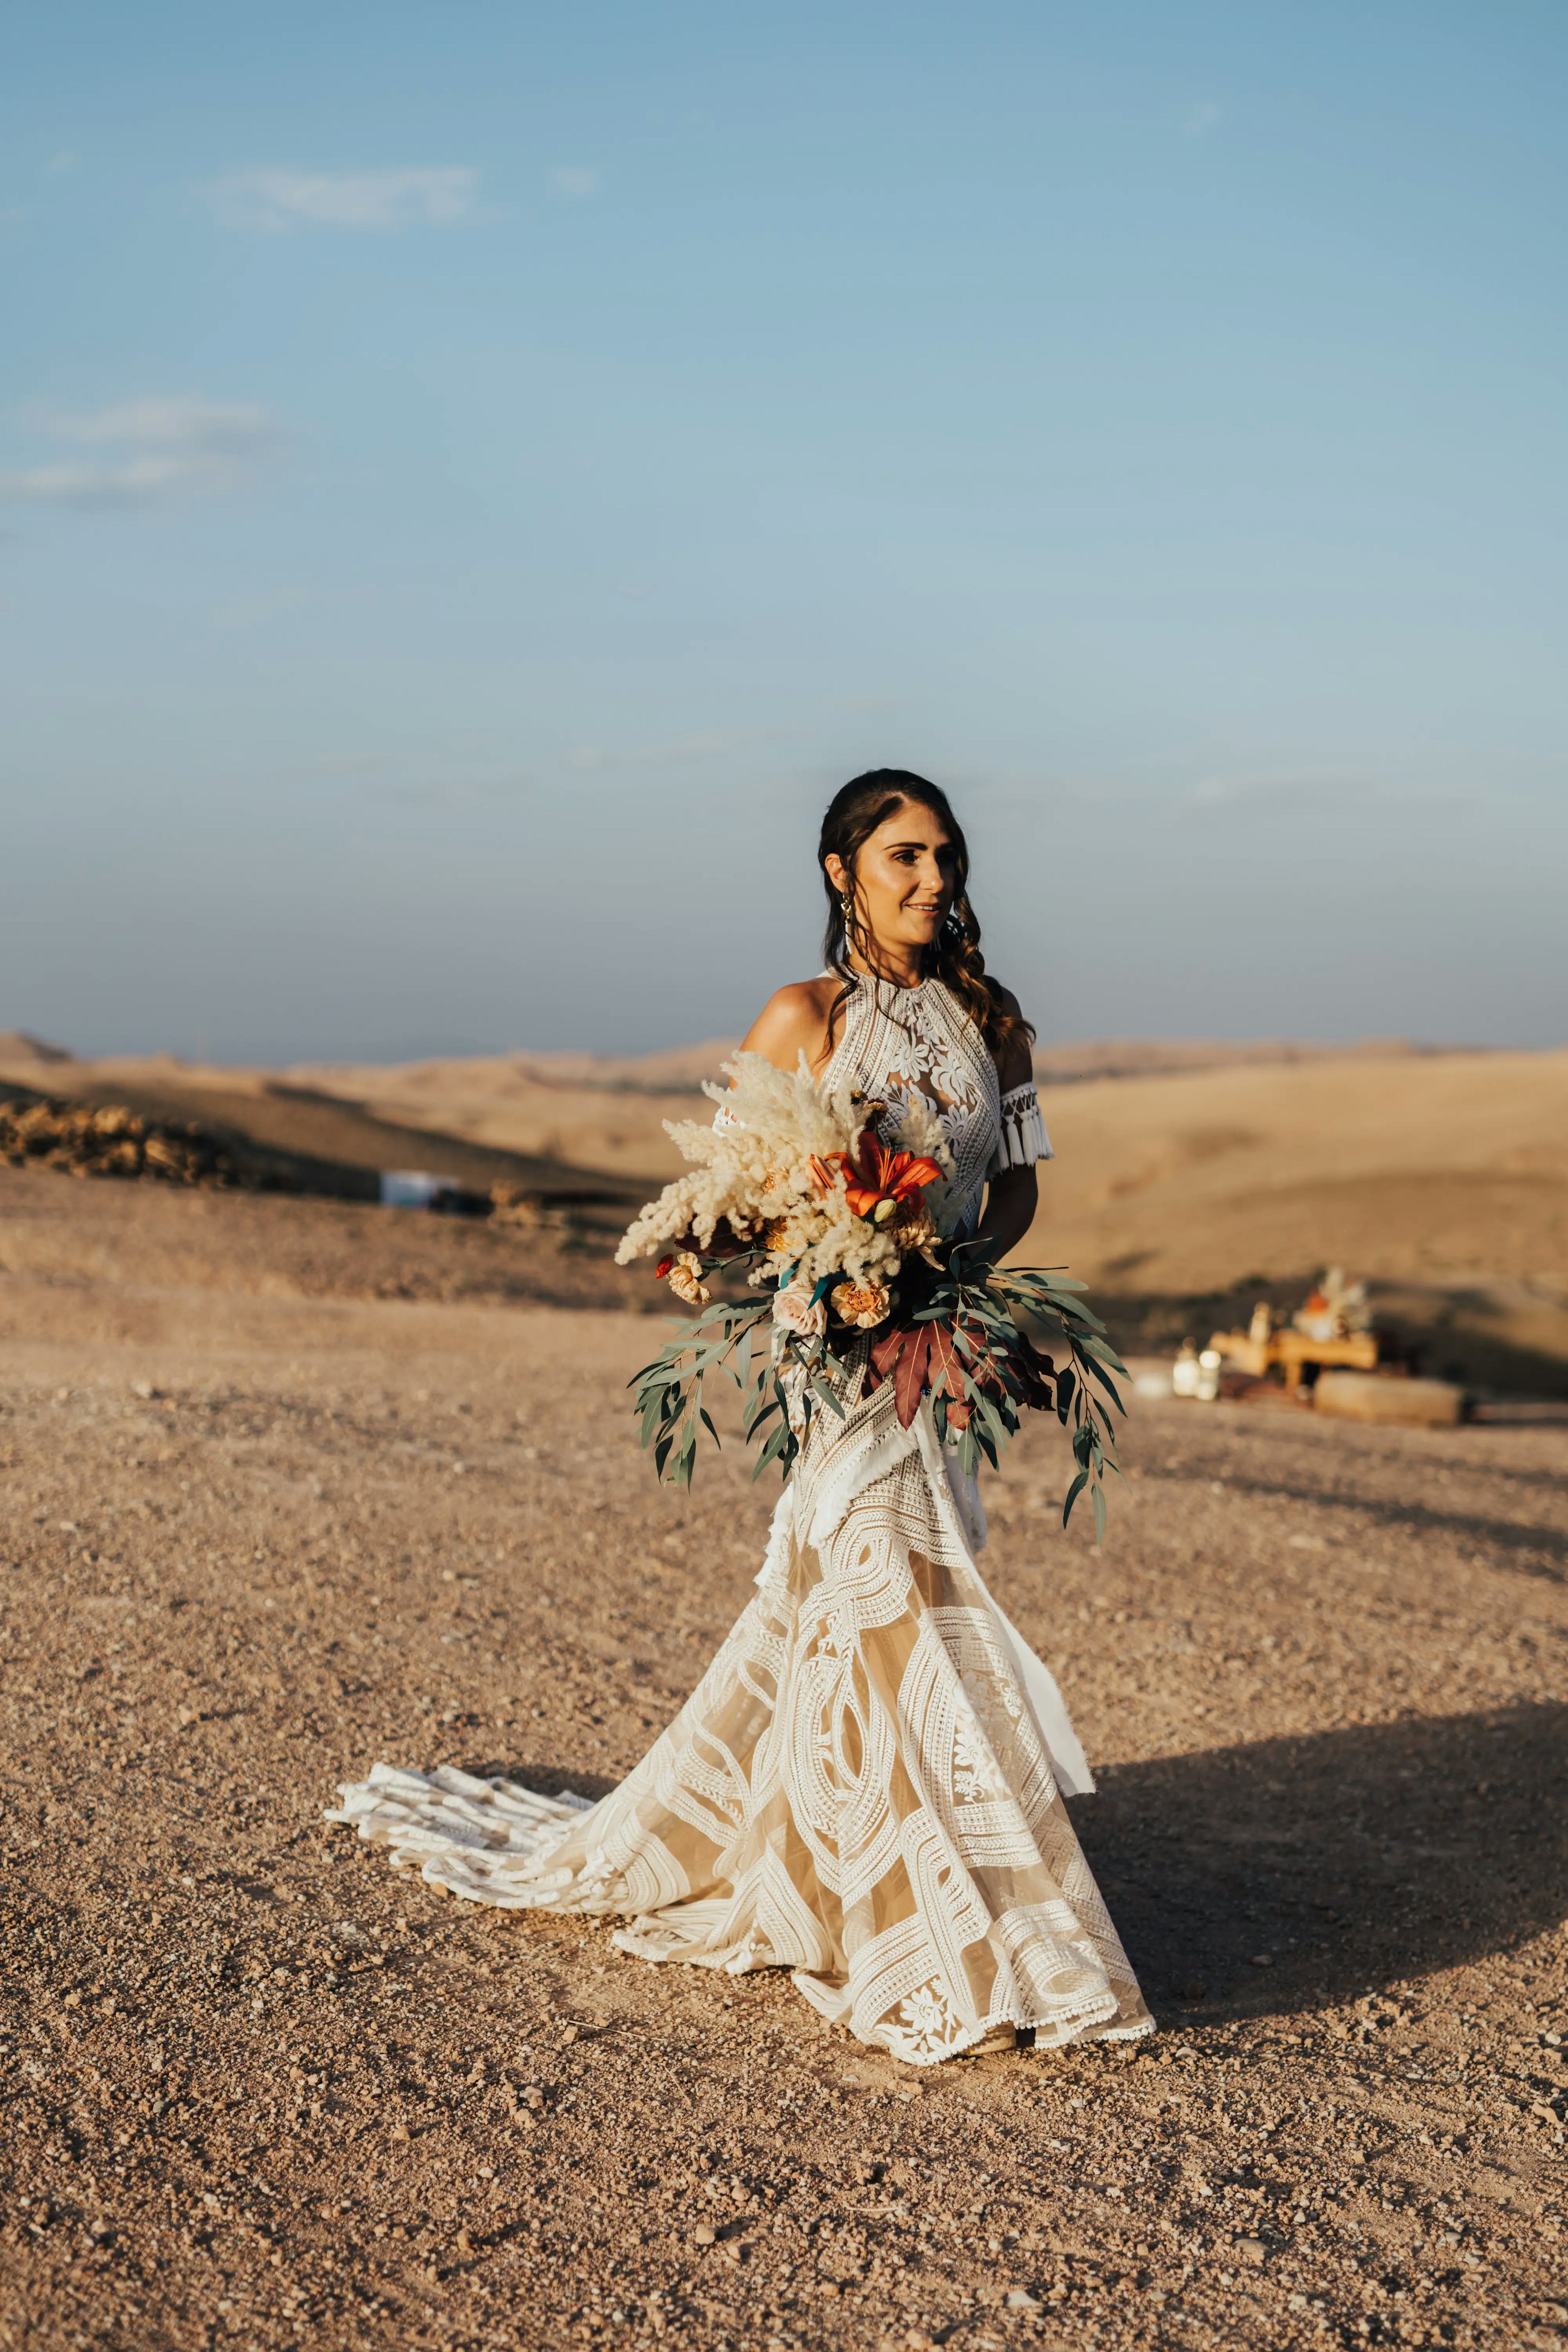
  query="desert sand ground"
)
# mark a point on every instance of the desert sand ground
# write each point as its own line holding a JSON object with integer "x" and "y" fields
{"x": 292, "y": 1485}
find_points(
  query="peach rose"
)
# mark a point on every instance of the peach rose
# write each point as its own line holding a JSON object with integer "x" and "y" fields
{"x": 794, "y": 1310}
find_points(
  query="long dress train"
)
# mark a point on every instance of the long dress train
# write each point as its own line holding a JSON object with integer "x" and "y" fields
{"x": 865, "y": 1787}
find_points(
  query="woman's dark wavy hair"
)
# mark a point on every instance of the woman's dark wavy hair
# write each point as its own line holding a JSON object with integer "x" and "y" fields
{"x": 854, "y": 813}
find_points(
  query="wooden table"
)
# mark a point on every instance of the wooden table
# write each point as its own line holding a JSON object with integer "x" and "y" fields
{"x": 1293, "y": 1349}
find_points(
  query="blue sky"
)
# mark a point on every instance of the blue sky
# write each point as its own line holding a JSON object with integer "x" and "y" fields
{"x": 474, "y": 479}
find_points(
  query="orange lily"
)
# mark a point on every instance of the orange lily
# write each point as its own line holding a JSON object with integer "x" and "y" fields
{"x": 875, "y": 1174}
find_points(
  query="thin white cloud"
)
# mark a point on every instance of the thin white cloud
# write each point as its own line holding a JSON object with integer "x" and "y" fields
{"x": 395, "y": 782}
{"x": 1256, "y": 787}
{"x": 179, "y": 423}
{"x": 256, "y": 612}
{"x": 166, "y": 448}
{"x": 455, "y": 796}
{"x": 1199, "y": 120}
{"x": 591, "y": 757}
{"x": 286, "y": 199}
{"x": 11, "y": 214}
{"x": 574, "y": 180}
{"x": 132, "y": 484}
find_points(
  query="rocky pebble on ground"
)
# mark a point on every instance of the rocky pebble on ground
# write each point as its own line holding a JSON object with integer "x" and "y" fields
{"x": 260, "y": 2091}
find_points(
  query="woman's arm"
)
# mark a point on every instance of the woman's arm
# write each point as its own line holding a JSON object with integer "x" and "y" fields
{"x": 1013, "y": 1195}
{"x": 1011, "y": 1200}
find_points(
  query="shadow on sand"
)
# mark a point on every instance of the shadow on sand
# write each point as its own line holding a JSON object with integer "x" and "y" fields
{"x": 1349, "y": 1858}
{"x": 1520, "y": 1546}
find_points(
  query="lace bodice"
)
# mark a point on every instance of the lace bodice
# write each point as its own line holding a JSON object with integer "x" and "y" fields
{"x": 901, "y": 1041}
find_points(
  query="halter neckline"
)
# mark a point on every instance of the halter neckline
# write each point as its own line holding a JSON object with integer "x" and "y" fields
{"x": 900, "y": 988}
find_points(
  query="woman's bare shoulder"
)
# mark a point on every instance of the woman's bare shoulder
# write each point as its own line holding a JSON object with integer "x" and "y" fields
{"x": 793, "y": 1022}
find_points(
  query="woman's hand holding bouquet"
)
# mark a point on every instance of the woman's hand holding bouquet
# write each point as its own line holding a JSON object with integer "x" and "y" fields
{"x": 833, "y": 1207}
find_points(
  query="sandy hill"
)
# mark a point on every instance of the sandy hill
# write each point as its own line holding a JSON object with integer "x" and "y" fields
{"x": 1181, "y": 1169}
{"x": 1442, "y": 1165}
{"x": 1184, "y": 1173}
{"x": 598, "y": 1112}
{"x": 316, "y": 1141}
{"x": 1442, "y": 1178}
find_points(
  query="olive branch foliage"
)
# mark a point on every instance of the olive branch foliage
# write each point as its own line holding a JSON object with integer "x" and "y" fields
{"x": 965, "y": 1340}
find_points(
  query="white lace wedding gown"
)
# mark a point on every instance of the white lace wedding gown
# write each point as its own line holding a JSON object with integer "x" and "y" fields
{"x": 866, "y": 1786}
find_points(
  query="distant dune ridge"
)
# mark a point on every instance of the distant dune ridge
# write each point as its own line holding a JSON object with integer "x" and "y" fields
{"x": 675, "y": 1068}
{"x": 1184, "y": 1170}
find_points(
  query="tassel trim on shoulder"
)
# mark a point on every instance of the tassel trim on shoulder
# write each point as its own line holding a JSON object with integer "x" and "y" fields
{"x": 1023, "y": 1140}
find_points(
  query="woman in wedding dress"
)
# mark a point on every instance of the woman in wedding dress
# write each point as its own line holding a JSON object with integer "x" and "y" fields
{"x": 865, "y": 1787}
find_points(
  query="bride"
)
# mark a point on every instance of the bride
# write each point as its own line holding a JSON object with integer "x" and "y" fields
{"x": 865, "y": 1787}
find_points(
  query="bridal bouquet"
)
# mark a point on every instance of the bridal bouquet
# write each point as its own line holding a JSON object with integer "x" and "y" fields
{"x": 837, "y": 1210}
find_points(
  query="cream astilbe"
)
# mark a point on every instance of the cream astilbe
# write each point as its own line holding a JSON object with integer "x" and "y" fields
{"x": 752, "y": 1165}
{"x": 754, "y": 1170}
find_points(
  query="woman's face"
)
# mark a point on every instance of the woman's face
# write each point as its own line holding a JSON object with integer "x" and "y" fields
{"x": 905, "y": 879}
